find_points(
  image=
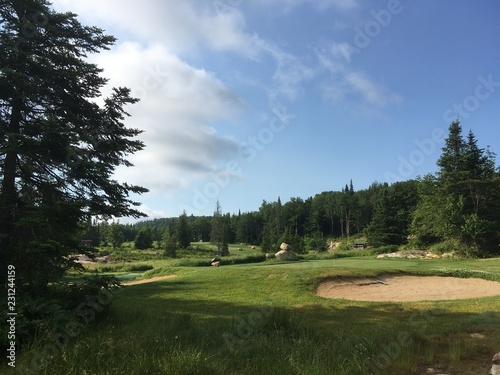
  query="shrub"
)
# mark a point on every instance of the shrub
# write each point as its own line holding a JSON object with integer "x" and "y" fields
{"x": 387, "y": 249}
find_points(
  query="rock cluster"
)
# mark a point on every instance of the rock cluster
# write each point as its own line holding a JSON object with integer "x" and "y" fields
{"x": 215, "y": 262}
{"x": 415, "y": 254}
{"x": 286, "y": 252}
{"x": 495, "y": 369}
{"x": 91, "y": 258}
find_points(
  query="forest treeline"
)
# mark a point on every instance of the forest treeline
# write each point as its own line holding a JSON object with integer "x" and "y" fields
{"x": 459, "y": 205}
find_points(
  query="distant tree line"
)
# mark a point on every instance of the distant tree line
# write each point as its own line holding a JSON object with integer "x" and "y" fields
{"x": 459, "y": 205}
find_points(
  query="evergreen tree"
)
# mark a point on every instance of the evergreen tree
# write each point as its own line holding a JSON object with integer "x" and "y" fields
{"x": 169, "y": 243}
{"x": 383, "y": 229}
{"x": 182, "y": 232}
{"x": 115, "y": 235}
{"x": 463, "y": 205}
{"x": 58, "y": 147}
{"x": 144, "y": 239}
{"x": 217, "y": 232}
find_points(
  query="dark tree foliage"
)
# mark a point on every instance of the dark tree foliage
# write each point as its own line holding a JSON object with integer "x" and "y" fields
{"x": 169, "y": 242}
{"x": 385, "y": 229}
{"x": 461, "y": 203}
{"x": 144, "y": 239}
{"x": 183, "y": 234}
{"x": 58, "y": 148}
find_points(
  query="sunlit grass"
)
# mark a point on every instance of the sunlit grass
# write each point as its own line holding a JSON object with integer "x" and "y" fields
{"x": 265, "y": 318}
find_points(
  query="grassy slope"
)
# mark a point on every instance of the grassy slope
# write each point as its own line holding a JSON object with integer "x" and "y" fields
{"x": 265, "y": 319}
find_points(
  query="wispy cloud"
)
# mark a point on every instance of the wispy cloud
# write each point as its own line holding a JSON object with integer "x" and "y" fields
{"x": 374, "y": 94}
{"x": 287, "y": 5}
{"x": 178, "y": 104}
{"x": 345, "y": 81}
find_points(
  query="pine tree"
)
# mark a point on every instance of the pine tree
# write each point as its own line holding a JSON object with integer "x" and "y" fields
{"x": 384, "y": 229}
{"x": 183, "y": 234}
{"x": 115, "y": 235}
{"x": 463, "y": 205}
{"x": 217, "y": 231}
{"x": 451, "y": 161}
{"x": 58, "y": 147}
{"x": 144, "y": 239}
{"x": 169, "y": 242}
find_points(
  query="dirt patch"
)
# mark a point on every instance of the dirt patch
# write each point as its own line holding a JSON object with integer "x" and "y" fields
{"x": 407, "y": 288}
{"x": 151, "y": 280}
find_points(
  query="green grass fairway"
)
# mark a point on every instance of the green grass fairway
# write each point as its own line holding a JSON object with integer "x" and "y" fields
{"x": 264, "y": 318}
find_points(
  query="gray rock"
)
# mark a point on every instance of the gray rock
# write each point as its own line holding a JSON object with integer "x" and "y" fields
{"x": 286, "y": 255}
{"x": 496, "y": 359}
{"x": 270, "y": 256}
{"x": 495, "y": 370}
{"x": 285, "y": 246}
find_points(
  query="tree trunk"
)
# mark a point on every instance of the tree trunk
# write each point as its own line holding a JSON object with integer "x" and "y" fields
{"x": 8, "y": 198}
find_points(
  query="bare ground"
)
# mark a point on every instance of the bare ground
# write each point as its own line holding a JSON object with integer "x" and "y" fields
{"x": 406, "y": 288}
{"x": 151, "y": 280}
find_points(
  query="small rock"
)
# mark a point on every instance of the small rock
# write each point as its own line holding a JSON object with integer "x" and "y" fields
{"x": 496, "y": 359}
{"x": 477, "y": 336}
{"x": 270, "y": 256}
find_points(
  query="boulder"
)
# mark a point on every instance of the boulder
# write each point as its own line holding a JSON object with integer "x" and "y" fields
{"x": 495, "y": 370}
{"x": 286, "y": 247}
{"x": 286, "y": 255}
{"x": 496, "y": 359}
{"x": 270, "y": 256}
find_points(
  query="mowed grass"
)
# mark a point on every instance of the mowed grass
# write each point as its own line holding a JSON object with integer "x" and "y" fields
{"x": 264, "y": 318}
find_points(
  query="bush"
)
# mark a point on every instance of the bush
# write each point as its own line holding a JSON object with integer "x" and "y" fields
{"x": 63, "y": 302}
{"x": 387, "y": 249}
{"x": 446, "y": 247}
{"x": 315, "y": 243}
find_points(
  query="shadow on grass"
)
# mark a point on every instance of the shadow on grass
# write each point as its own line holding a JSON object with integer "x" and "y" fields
{"x": 165, "y": 327}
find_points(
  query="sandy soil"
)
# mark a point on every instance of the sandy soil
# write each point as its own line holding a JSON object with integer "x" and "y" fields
{"x": 151, "y": 280}
{"x": 407, "y": 288}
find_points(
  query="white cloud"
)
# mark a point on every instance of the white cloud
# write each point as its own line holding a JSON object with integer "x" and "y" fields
{"x": 374, "y": 94}
{"x": 343, "y": 5}
{"x": 345, "y": 81}
{"x": 178, "y": 105}
{"x": 187, "y": 27}
{"x": 183, "y": 26}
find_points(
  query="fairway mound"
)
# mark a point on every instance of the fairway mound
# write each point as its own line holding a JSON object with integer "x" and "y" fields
{"x": 151, "y": 280}
{"x": 406, "y": 288}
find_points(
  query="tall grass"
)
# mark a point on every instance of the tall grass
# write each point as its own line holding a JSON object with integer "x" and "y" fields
{"x": 264, "y": 318}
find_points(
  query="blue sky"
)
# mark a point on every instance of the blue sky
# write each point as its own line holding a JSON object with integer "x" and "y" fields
{"x": 248, "y": 100}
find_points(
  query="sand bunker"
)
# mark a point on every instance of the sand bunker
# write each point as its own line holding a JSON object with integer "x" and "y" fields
{"x": 151, "y": 280}
{"x": 406, "y": 288}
